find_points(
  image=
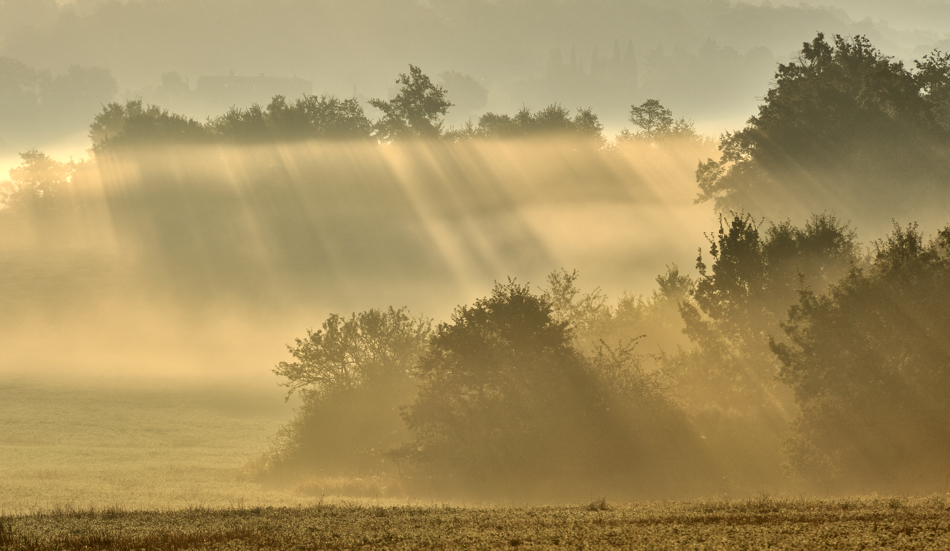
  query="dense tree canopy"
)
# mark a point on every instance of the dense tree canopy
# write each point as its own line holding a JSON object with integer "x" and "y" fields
{"x": 507, "y": 402}
{"x": 869, "y": 364}
{"x": 842, "y": 125}
{"x": 740, "y": 300}
{"x": 308, "y": 117}
{"x": 137, "y": 124}
{"x": 553, "y": 120}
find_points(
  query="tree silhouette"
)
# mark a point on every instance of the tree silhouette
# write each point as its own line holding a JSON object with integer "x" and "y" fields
{"x": 309, "y": 117}
{"x": 656, "y": 123}
{"x": 740, "y": 300}
{"x": 869, "y": 365}
{"x": 840, "y": 127}
{"x": 507, "y": 404}
{"x": 134, "y": 123}
{"x": 37, "y": 184}
{"x": 352, "y": 374}
{"x": 553, "y": 120}
{"x": 415, "y": 112}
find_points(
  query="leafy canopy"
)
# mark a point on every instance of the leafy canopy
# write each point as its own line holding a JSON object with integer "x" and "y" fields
{"x": 869, "y": 365}
{"x": 841, "y": 124}
{"x": 415, "y": 112}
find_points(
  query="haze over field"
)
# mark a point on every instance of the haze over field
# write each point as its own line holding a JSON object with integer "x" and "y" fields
{"x": 423, "y": 225}
{"x": 519, "y": 249}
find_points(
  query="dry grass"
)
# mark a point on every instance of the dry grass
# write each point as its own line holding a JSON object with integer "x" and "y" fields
{"x": 852, "y": 523}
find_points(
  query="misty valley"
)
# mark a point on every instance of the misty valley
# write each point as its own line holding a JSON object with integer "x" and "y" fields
{"x": 332, "y": 323}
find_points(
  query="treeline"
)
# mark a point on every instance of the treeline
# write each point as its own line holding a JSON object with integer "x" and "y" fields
{"x": 351, "y": 44}
{"x": 790, "y": 347}
{"x": 35, "y": 104}
{"x": 416, "y": 112}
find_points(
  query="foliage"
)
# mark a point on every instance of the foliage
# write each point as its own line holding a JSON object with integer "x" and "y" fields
{"x": 553, "y": 120}
{"x": 415, "y": 112}
{"x": 38, "y": 184}
{"x": 869, "y": 365}
{"x": 496, "y": 386}
{"x": 309, "y": 117}
{"x": 352, "y": 374}
{"x": 737, "y": 304}
{"x": 506, "y": 404}
{"x": 656, "y": 124}
{"x": 653, "y": 323}
{"x": 839, "y": 127}
{"x": 371, "y": 349}
{"x": 135, "y": 124}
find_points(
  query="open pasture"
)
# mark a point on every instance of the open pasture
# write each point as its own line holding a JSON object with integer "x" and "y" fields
{"x": 161, "y": 446}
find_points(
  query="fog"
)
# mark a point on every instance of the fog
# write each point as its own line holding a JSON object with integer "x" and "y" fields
{"x": 247, "y": 236}
{"x": 647, "y": 249}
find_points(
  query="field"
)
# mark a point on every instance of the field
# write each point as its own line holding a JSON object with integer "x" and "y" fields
{"x": 884, "y": 523}
{"x": 164, "y": 466}
{"x": 159, "y": 446}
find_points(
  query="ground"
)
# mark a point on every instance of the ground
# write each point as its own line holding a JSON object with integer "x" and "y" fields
{"x": 854, "y": 523}
{"x": 167, "y": 466}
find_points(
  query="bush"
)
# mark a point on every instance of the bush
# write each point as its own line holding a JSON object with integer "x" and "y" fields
{"x": 508, "y": 407}
{"x": 869, "y": 365}
{"x": 352, "y": 374}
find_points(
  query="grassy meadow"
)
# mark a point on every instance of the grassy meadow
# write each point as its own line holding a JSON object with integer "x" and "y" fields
{"x": 156, "y": 447}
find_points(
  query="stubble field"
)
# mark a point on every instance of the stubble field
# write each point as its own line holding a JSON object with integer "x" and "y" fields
{"x": 760, "y": 523}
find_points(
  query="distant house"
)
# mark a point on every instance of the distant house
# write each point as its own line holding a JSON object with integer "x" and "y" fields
{"x": 242, "y": 91}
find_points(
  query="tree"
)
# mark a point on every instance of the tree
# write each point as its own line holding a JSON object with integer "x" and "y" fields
{"x": 740, "y": 300}
{"x": 37, "y": 184}
{"x": 137, "y": 124}
{"x": 507, "y": 405}
{"x": 553, "y": 120}
{"x": 653, "y": 325}
{"x": 307, "y": 118}
{"x": 869, "y": 366}
{"x": 415, "y": 112}
{"x": 495, "y": 385}
{"x": 352, "y": 374}
{"x": 656, "y": 124}
{"x": 840, "y": 127}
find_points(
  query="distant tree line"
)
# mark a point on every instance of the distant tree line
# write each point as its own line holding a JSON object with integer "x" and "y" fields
{"x": 416, "y": 112}
{"x": 36, "y": 103}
